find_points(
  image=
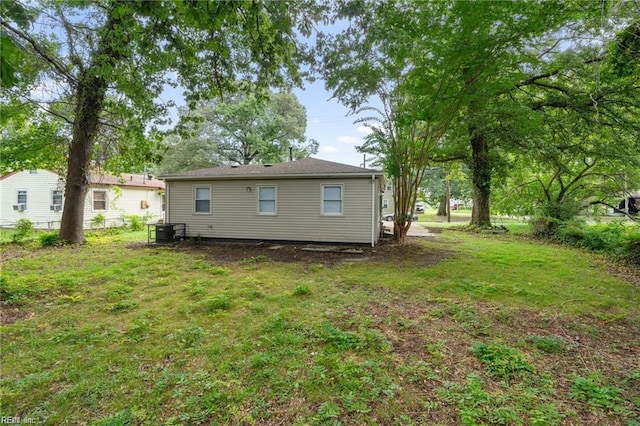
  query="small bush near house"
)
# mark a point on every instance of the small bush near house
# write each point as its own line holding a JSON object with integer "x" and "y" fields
{"x": 23, "y": 228}
{"x": 136, "y": 223}
{"x": 98, "y": 221}
{"x": 48, "y": 239}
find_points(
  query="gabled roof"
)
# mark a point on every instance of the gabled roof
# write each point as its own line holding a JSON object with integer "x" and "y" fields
{"x": 128, "y": 180}
{"x": 125, "y": 179}
{"x": 305, "y": 168}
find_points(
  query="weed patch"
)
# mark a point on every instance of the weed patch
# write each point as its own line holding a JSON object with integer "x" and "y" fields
{"x": 502, "y": 361}
{"x": 593, "y": 392}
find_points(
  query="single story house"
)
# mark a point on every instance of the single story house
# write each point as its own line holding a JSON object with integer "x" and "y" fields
{"x": 38, "y": 195}
{"x": 306, "y": 200}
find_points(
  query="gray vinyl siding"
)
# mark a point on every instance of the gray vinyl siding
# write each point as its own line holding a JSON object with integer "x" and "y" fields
{"x": 234, "y": 210}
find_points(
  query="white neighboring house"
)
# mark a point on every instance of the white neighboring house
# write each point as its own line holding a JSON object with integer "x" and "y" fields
{"x": 38, "y": 195}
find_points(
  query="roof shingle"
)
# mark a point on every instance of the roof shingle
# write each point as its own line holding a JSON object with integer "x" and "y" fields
{"x": 307, "y": 167}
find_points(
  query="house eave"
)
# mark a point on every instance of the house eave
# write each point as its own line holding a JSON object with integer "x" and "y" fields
{"x": 364, "y": 175}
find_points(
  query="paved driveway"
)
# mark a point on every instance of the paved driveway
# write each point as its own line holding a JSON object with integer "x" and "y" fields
{"x": 416, "y": 230}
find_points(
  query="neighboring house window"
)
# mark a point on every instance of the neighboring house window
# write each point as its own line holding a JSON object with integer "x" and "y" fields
{"x": 332, "y": 199}
{"x": 99, "y": 200}
{"x": 202, "y": 197}
{"x": 56, "y": 197}
{"x": 389, "y": 187}
{"x": 21, "y": 197}
{"x": 266, "y": 200}
{"x": 385, "y": 203}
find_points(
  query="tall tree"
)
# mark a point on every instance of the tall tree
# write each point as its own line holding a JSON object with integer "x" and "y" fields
{"x": 111, "y": 59}
{"x": 243, "y": 129}
{"x": 449, "y": 58}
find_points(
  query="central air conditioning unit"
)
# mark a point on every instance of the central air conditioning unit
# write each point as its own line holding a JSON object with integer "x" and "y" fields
{"x": 20, "y": 207}
{"x": 55, "y": 207}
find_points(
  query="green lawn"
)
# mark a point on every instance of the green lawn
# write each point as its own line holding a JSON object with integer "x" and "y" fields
{"x": 457, "y": 329}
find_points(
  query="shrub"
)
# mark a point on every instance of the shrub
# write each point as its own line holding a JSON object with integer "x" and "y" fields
{"x": 136, "y": 223}
{"x": 23, "y": 228}
{"x": 632, "y": 246}
{"x": 99, "y": 221}
{"x": 48, "y": 239}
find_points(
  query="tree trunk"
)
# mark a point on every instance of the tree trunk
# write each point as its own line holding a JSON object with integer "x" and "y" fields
{"x": 90, "y": 92}
{"x": 481, "y": 169}
{"x": 442, "y": 207}
{"x": 89, "y": 101}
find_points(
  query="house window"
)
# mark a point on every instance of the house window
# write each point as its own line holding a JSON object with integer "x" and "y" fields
{"x": 389, "y": 187}
{"x": 56, "y": 200}
{"x": 266, "y": 200}
{"x": 21, "y": 198}
{"x": 332, "y": 199}
{"x": 99, "y": 200}
{"x": 56, "y": 197}
{"x": 202, "y": 197}
{"x": 385, "y": 203}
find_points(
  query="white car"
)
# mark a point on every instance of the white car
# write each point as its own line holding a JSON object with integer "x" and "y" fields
{"x": 389, "y": 217}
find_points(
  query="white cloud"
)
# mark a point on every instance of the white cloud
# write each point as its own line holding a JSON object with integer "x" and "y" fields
{"x": 349, "y": 139}
{"x": 366, "y": 130}
{"x": 328, "y": 149}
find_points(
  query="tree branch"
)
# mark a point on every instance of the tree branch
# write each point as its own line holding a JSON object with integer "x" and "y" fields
{"x": 42, "y": 52}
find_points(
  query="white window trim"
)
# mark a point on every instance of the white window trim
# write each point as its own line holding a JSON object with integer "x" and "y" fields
{"x": 275, "y": 212}
{"x": 322, "y": 200}
{"x": 385, "y": 203}
{"x": 106, "y": 200}
{"x": 26, "y": 192}
{"x": 193, "y": 204}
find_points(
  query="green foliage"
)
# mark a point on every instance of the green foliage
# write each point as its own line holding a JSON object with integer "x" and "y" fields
{"x": 24, "y": 227}
{"x": 548, "y": 344}
{"x": 245, "y": 128}
{"x": 342, "y": 340}
{"x": 594, "y": 393}
{"x": 632, "y": 246}
{"x": 48, "y": 239}
{"x": 302, "y": 290}
{"x": 99, "y": 221}
{"x": 136, "y": 223}
{"x": 502, "y": 361}
{"x": 190, "y": 337}
{"x": 10, "y": 292}
{"x": 614, "y": 238}
{"x": 123, "y": 306}
{"x": 221, "y": 302}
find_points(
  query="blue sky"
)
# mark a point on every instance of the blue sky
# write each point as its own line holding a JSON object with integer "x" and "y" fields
{"x": 330, "y": 124}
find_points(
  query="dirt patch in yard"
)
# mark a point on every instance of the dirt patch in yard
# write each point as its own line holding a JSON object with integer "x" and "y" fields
{"x": 12, "y": 313}
{"x": 223, "y": 252}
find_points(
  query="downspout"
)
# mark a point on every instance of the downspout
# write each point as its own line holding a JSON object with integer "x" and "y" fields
{"x": 373, "y": 210}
